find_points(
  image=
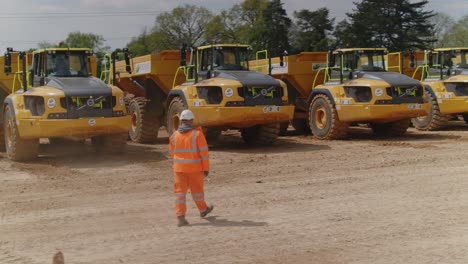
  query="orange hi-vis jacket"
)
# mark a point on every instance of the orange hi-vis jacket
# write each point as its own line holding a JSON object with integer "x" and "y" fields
{"x": 189, "y": 151}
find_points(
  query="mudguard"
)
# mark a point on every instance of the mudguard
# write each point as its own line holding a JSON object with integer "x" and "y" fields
{"x": 175, "y": 93}
{"x": 320, "y": 91}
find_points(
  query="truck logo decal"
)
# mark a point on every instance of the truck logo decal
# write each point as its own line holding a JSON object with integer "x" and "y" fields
{"x": 229, "y": 92}
{"x": 90, "y": 102}
{"x": 92, "y": 122}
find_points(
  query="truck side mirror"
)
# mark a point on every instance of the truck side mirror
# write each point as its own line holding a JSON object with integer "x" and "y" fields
{"x": 128, "y": 68}
{"x": 412, "y": 59}
{"x": 429, "y": 59}
{"x": 31, "y": 76}
{"x": 183, "y": 54}
{"x": 282, "y": 54}
{"x": 331, "y": 59}
{"x": 7, "y": 63}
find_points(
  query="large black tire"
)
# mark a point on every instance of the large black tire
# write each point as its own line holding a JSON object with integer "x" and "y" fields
{"x": 17, "y": 149}
{"x": 465, "y": 117}
{"x": 323, "y": 119}
{"x": 175, "y": 108}
{"x": 261, "y": 134}
{"x": 145, "y": 126}
{"x": 434, "y": 120}
{"x": 392, "y": 129}
{"x": 212, "y": 134}
{"x": 111, "y": 144}
{"x": 284, "y": 128}
{"x": 301, "y": 126}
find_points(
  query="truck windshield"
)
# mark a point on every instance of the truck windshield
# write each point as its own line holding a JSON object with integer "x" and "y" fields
{"x": 67, "y": 65}
{"x": 460, "y": 59}
{"x": 231, "y": 58}
{"x": 364, "y": 60}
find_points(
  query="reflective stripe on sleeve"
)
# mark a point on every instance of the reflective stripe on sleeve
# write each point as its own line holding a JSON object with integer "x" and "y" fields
{"x": 187, "y": 160}
{"x": 203, "y": 148}
{"x": 197, "y": 194}
{"x": 198, "y": 199}
{"x": 180, "y": 194}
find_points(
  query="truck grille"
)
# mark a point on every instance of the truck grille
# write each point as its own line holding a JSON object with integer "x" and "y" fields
{"x": 86, "y": 106}
{"x": 261, "y": 95}
{"x": 406, "y": 94}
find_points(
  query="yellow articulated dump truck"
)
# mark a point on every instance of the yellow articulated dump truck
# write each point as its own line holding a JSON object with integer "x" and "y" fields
{"x": 146, "y": 85}
{"x": 216, "y": 84}
{"x": 298, "y": 72}
{"x": 444, "y": 73}
{"x": 58, "y": 98}
{"x": 354, "y": 87}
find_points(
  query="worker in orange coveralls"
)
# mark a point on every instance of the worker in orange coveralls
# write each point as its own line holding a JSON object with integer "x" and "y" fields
{"x": 189, "y": 151}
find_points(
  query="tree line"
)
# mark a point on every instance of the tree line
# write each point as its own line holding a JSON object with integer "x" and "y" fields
{"x": 394, "y": 24}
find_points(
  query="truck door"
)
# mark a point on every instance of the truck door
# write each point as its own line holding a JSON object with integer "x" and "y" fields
{"x": 38, "y": 70}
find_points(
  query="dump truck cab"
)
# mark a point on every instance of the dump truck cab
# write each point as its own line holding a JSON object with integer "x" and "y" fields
{"x": 357, "y": 89}
{"x": 224, "y": 93}
{"x": 59, "y": 98}
{"x": 445, "y": 78}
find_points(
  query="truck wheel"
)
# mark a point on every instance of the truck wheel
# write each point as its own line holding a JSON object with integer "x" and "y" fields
{"x": 17, "y": 149}
{"x": 145, "y": 126}
{"x": 211, "y": 134}
{"x": 323, "y": 119}
{"x": 175, "y": 108}
{"x": 465, "y": 117}
{"x": 434, "y": 120}
{"x": 261, "y": 134}
{"x": 112, "y": 144}
{"x": 301, "y": 126}
{"x": 394, "y": 129}
{"x": 284, "y": 128}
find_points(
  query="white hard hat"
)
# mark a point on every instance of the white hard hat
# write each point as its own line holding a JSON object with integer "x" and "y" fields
{"x": 186, "y": 115}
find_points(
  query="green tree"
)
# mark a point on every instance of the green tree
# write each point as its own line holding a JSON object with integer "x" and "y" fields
{"x": 252, "y": 23}
{"x": 313, "y": 28}
{"x": 225, "y": 27}
{"x": 343, "y": 38}
{"x": 274, "y": 33}
{"x": 394, "y": 24}
{"x": 45, "y": 44}
{"x": 442, "y": 24}
{"x": 184, "y": 24}
{"x": 86, "y": 40}
{"x": 148, "y": 42}
{"x": 457, "y": 35}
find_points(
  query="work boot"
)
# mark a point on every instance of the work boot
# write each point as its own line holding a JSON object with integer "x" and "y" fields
{"x": 181, "y": 221}
{"x": 207, "y": 211}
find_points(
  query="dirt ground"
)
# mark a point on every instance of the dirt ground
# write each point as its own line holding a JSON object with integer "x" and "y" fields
{"x": 361, "y": 200}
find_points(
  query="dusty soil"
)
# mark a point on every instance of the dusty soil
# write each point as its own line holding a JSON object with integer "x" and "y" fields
{"x": 361, "y": 200}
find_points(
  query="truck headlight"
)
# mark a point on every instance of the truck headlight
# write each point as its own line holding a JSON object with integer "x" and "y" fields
{"x": 51, "y": 102}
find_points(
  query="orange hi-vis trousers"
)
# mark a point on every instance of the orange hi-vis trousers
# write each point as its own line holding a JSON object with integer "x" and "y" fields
{"x": 183, "y": 181}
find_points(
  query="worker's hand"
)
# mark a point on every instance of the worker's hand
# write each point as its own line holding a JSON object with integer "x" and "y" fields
{"x": 206, "y": 173}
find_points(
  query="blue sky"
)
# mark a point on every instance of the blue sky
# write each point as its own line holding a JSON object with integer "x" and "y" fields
{"x": 24, "y": 23}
